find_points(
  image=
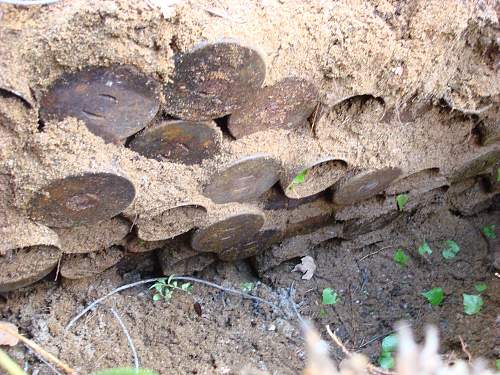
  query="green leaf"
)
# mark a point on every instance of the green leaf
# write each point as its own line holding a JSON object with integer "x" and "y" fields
{"x": 386, "y": 361}
{"x": 451, "y": 249}
{"x": 489, "y": 231}
{"x": 187, "y": 287}
{"x": 174, "y": 284}
{"x": 170, "y": 278}
{"x": 156, "y": 297}
{"x": 497, "y": 364}
{"x": 472, "y": 304}
{"x": 329, "y": 297}
{"x": 434, "y": 296}
{"x": 125, "y": 371}
{"x": 300, "y": 178}
{"x": 401, "y": 200}
{"x": 424, "y": 249}
{"x": 400, "y": 257}
{"x": 167, "y": 294}
{"x": 498, "y": 174}
{"x": 246, "y": 287}
{"x": 390, "y": 343}
{"x": 480, "y": 287}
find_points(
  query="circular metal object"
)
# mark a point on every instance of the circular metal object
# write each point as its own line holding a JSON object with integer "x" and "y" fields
{"x": 286, "y": 104}
{"x": 227, "y": 233}
{"x": 79, "y": 266}
{"x": 180, "y": 141}
{"x": 26, "y": 266}
{"x": 244, "y": 180}
{"x": 358, "y": 227}
{"x": 114, "y": 102}
{"x": 251, "y": 247}
{"x": 476, "y": 165}
{"x": 79, "y": 200}
{"x": 213, "y": 80}
{"x": 364, "y": 185}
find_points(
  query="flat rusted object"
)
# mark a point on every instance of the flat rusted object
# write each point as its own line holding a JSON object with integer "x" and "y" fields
{"x": 26, "y": 266}
{"x": 285, "y": 105}
{"x": 358, "y": 227}
{"x": 213, "y": 80}
{"x": 364, "y": 185}
{"x": 253, "y": 246}
{"x": 227, "y": 233}
{"x": 476, "y": 165}
{"x": 180, "y": 141}
{"x": 243, "y": 181}
{"x": 114, "y": 102}
{"x": 80, "y": 200}
{"x": 79, "y": 266}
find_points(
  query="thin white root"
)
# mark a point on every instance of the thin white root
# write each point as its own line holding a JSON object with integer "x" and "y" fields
{"x": 129, "y": 338}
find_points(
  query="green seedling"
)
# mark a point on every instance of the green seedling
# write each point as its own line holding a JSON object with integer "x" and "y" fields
{"x": 300, "y": 178}
{"x": 480, "y": 287}
{"x": 402, "y": 200}
{"x": 424, "y": 249}
{"x": 472, "y": 304}
{"x": 330, "y": 297}
{"x": 451, "y": 249}
{"x": 434, "y": 296}
{"x": 165, "y": 288}
{"x": 246, "y": 287}
{"x": 400, "y": 257}
{"x": 489, "y": 231}
{"x": 389, "y": 345}
{"x": 125, "y": 371}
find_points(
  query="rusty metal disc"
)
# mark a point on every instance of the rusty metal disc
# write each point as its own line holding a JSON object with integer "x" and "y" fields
{"x": 226, "y": 233}
{"x": 476, "y": 165}
{"x": 259, "y": 242}
{"x": 286, "y": 104}
{"x": 358, "y": 227}
{"x": 364, "y": 185}
{"x": 114, "y": 102}
{"x": 213, "y": 80}
{"x": 244, "y": 180}
{"x": 26, "y": 266}
{"x": 78, "y": 266}
{"x": 180, "y": 141}
{"x": 79, "y": 200}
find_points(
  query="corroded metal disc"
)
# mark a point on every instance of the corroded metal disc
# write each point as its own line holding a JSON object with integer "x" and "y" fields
{"x": 180, "y": 141}
{"x": 25, "y": 266}
{"x": 114, "y": 102}
{"x": 227, "y": 233}
{"x": 364, "y": 185}
{"x": 286, "y": 104}
{"x": 78, "y": 266}
{"x": 358, "y": 227}
{"x": 213, "y": 80}
{"x": 244, "y": 180}
{"x": 251, "y": 247}
{"x": 476, "y": 165}
{"x": 79, "y": 200}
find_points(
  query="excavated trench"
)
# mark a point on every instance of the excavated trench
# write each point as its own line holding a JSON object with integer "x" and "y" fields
{"x": 165, "y": 139}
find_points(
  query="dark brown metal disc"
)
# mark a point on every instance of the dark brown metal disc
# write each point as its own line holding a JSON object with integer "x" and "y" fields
{"x": 114, "y": 102}
{"x": 78, "y": 266}
{"x": 364, "y": 185}
{"x": 79, "y": 200}
{"x": 213, "y": 80}
{"x": 180, "y": 141}
{"x": 227, "y": 233}
{"x": 476, "y": 165}
{"x": 22, "y": 267}
{"x": 244, "y": 180}
{"x": 286, "y": 104}
{"x": 259, "y": 242}
{"x": 358, "y": 227}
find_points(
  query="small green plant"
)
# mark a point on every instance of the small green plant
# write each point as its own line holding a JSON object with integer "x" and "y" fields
{"x": 389, "y": 345}
{"x": 424, "y": 249}
{"x": 165, "y": 288}
{"x": 480, "y": 287}
{"x": 472, "y": 304}
{"x": 246, "y": 287}
{"x": 402, "y": 200}
{"x": 330, "y": 297}
{"x": 489, "y": 231}
{"x": 300, "y": 178}
{"x": 451, "y": 249}
{"x": 497, "y": 364}
{"x": 434, "y": 296}
{"x": 400, "y": 257}
{"x": 498, "y": 174}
